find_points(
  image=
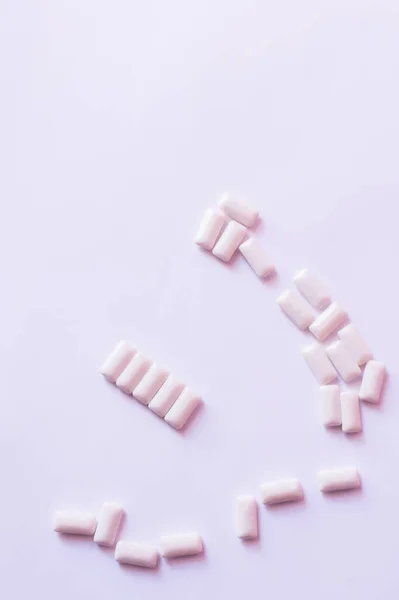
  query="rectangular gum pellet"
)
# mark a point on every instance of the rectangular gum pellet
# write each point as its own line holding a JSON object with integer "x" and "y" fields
{"x": 328, "y": 321}
{"x": 373, "y": 380}
{"x": 341, "y": 478}
{"x": 150, "y": 384}
{"x": 229, "y": 241}
{"x": 164, "y": 399}
{"x": 330, "y": 405}
{"x": 355, "y": 344}
{"x": 246, "y": 517}
{"x": 182, "y": 409}
{"x": 350, "y": 412}
{"x": 343, "y": 361}
{"x": 134, "y": 373}
{"x": 238, "y": 210}
{"x": 117, "y": 361}
{"x": 109, "y": 521}
{"x": 283, "y": 490}
{"x": 75, "y": 522}
{"x": 210, "y": 229}
{"x": 318, "y": 362}
{"x": 313, "y": 289}
{"x": 137, "y": 554}
{"x": 296, "y": 309}
{"x": 257, "y": 258}
{"x": 181, "y": 544}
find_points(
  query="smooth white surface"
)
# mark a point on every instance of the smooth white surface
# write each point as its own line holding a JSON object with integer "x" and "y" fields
{"x": 229, "y": 241}
{"x": 121, "y": 122}
{"x": 372, "y": 382}
{"x": 210, "y": 228}
{"x": 330, "y": 405}
{"x": 166, "y": 396}
{"x": 246, "y": 517}
{"x": 328, "y": 321}
{"x": 296, "y": 309}
{"x": 180, "y": 544}
{"x": 74, "y": 522}
{"x": 339, "y": 478}
{"x": 350, "y": 412}
{"x": 183, "y": 408}
{"x": 257, "y": 257}
{"x": 343, "y": 361}
{"x": 117, "y": 361}
{"x": 318, "y": 362}
{"x": 108, "y": 524}
{"x": 133, "y": 373}
{"x": 282, "y": 490}
{"x": 312, "y": 288}
{"x": 150, "y": 384}
{"x": 238, "y": 209}
{"x": 356, "y": 344}
{"x": 136, "y": 553}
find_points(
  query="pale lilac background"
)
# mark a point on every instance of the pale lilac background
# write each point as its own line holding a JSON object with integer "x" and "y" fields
{"x": 120, "y": 123}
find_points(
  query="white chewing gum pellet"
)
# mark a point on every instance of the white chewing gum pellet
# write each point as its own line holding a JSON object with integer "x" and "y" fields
{"x": 229, "y": 241}
{"x": 75, "y": 522}
{"x": 334, "y": 480}
{"x": 283, "y": 490}
{"x": 257, "y": 258}
{"x": 133, "y": 373}
{"x": 330, "y": 405}
{"x": 318, "y": 362}
{"x": 210, "y": 229}
{"x": 355, "y": 344}
{"x": 238, "y": 210}
{"x": 117, "y": 361}
{"x": 350, "y": 412}
{"x": 328, "y": 321}
{"x": 313, "y": 289}
{"x": 246, "y": 517}
{"x": 343, "y": 361}
{"x": 108, "y": 524}
{"x": 296, "y": 309}
{"x": 164, "y": 399}
{"x": 182, "y": 409}
{"x": 137, "y": 554}
{"x": 150, "y": 384}
{"x": 373, "y": 379}
{"x": 181, "y": 544}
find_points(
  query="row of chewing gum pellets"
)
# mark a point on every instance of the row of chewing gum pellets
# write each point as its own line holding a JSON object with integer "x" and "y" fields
{"x": 344, "y": 357}
{"x": 136, "y": 374}
{"x": 104, "y": 530}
